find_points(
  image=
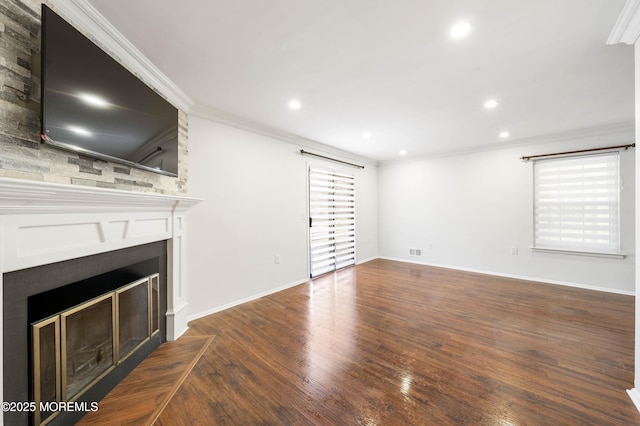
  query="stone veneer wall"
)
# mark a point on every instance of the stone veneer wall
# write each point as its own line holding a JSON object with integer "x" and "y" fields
{"x": 22, "y": 156}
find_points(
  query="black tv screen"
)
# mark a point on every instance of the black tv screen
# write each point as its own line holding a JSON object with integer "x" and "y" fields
{"x": 94, "y": 106}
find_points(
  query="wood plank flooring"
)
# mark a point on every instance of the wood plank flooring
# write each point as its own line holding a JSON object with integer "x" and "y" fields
{"x": 390, "y": 343}
{"x": 142, "y": 395}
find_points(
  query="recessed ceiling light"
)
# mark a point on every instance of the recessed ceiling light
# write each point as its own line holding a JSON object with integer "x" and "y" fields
{"x": 403, "y": 152}
{"x": 94, "y": 100}
{"x": 79, "y": 130}
{"x": 504, "y": 134}
{"x": 366, "y": 135}
{"x": 490, "y": 104}
{"x": 460, "y": 29}
{"x": 294, "y": 104}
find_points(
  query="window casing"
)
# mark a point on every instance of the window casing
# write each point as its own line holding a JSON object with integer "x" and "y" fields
{"x": 577, "y": 203}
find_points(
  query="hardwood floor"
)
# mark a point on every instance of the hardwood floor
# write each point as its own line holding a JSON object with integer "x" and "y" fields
{"x": 393, "y": 343}
{"x": 142, "y": 395}
{"x": 390, "y": 343}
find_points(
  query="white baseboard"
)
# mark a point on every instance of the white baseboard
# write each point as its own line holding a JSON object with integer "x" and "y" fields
{"x": 244, "y": 300}
{"x": 635, "y": 397}
{"x": 517, "y": 277}
{"x": 256, "y": 296}
{"x": 478, "y": 271}
{"x": 177, "y": 322}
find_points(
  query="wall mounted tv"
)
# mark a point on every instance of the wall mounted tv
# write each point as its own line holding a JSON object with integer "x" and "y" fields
{"x": 92, "y": 105}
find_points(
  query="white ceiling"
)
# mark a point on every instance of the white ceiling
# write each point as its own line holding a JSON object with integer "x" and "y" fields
{"x": 390, "y": 68}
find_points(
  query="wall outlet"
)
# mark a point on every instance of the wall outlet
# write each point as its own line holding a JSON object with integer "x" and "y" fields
{"x": 514, "y": 250}
{"x": 276, "y": 259}
{"x": 415, "y": 252}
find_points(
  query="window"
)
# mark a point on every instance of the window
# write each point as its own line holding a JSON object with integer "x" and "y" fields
{"x": 576, "y": 204}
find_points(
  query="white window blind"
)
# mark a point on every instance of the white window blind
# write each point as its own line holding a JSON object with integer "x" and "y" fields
{"x": 332, "y": 233}
{"x": 577, "y": 203}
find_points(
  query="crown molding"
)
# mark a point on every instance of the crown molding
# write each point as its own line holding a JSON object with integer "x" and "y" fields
{"x": 87, "y": 18}
{"x": 223, "y": 117}
{"x": 627, "y": 27}
{"x": 626, "y": 127}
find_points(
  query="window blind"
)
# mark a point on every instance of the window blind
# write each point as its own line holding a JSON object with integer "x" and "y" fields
{"x": 332, "y": 220}
{"x": 576, "y": 203}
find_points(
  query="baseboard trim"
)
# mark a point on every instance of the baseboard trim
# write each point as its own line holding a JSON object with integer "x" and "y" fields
{"x": 477, "y": 271}
{"x": 517, "y": 277}
{"x": 257, "y": 296}
{"x": 177, "y": 322}
{"x": 634, "y": 394}
{"x": 244, "y": 300}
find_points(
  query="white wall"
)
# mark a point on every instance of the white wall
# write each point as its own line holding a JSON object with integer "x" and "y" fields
{"x": 471, "y": 209}
{"x": 255, "y": 207}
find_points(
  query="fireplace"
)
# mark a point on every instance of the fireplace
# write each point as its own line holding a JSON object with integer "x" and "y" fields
{"x": 58, "y": 242}
{"x": 74, "y": 341}
{"x": 80, "y": 344}
{"x": 77, "y": 347}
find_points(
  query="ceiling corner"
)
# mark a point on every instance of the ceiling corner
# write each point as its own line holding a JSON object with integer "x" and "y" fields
{"x": 222, "y": 117}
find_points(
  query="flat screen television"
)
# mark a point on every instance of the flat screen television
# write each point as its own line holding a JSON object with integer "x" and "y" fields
{"x": 94, "y": 106}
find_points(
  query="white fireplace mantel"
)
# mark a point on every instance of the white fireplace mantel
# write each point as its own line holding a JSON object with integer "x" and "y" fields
{"x": 43, "y": 223}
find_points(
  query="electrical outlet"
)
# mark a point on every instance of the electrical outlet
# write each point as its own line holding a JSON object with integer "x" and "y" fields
{"x": 514, "y": 250}
{"x": 276, "y": 259}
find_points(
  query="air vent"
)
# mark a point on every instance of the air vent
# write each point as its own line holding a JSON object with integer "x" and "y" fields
{"x": 415, "y": 252}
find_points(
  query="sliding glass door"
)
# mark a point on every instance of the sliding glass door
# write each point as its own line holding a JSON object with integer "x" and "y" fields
{"x": 332, "y": 221}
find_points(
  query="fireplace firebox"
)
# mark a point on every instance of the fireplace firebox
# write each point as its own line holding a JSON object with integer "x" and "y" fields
{"x": 76, "y": 348}
{"x": 73, "y": 342}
